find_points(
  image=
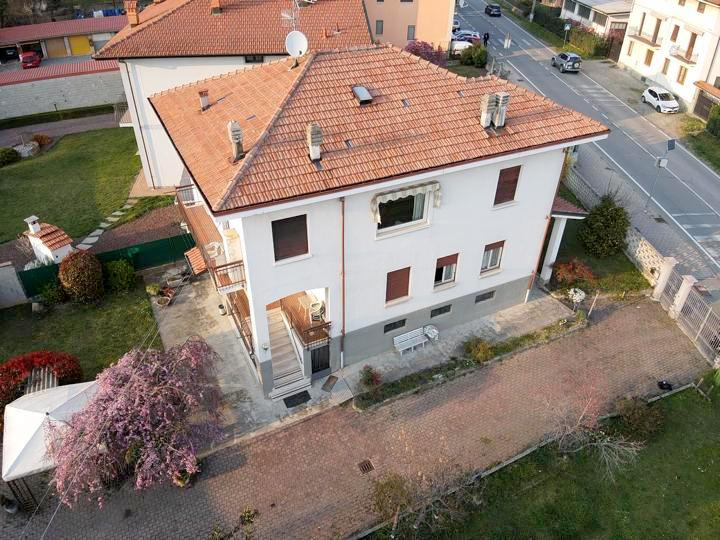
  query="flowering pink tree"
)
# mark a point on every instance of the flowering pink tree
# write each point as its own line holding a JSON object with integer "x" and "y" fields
{"x": 426, "y": 51}
{"x": 152, "y": 413}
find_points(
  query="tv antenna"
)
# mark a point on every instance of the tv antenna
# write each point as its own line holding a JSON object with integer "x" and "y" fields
{"x": 291, "y": 17}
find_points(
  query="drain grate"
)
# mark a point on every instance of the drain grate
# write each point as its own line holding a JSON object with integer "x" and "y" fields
{"x": 659, "y": 219}
{"x": 366, "y": 466}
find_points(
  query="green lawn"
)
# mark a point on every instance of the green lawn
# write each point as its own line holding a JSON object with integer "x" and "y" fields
{"x": 77, "y": 183}
{"x": 703, "y": 144}
{"x": 614, "y": 274}
{"x": 97, "y": 335}
{"x": 467, "y": 71}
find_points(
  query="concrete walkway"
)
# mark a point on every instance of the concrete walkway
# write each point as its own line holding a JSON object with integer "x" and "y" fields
{"x": 305, "y": 481}
{"x": 13, "y": 136}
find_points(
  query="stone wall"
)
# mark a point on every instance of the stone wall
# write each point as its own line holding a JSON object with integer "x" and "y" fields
{"x": 60, "y": 93}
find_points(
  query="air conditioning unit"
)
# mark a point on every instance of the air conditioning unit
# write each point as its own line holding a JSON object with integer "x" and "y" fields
{"x": 317, "y": 311}
{"x": 214, "y": 249}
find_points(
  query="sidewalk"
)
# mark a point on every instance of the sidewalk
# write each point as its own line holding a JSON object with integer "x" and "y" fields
{"x": 12, "y": 136}
{"x": 305, "y": 481}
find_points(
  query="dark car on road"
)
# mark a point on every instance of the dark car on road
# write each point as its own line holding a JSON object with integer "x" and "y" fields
{"x": 493, "y": 10}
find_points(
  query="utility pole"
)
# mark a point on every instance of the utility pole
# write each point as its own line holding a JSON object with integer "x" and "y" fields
{"x": 532, "y": 11}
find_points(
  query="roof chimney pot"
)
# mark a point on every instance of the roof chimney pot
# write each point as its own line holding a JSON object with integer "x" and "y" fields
{"x": 235, "y": 135}
{"x": 487, "y": 110}
{"x": 132, "y": 12}
{"x": 314, "y": 140}
{"x": 502, "y": 100}
{"x": 215, "y": 7}
{"x": 33, "y": 224}
{"x": 204, "y": 99}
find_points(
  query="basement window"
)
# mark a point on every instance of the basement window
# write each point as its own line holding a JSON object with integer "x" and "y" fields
{"x": 254, "y": 59}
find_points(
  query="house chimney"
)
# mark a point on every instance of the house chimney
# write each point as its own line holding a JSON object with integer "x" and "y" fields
{"x": 215, "y": 7}
{"x": 33, "y": 224}
{"x": 487, "y": 109}
{"x": 204, "y": 99}
{"x": 235, "y": 135}
{"x": 502, "y": 99}
{"x": 314, "y": 140}
{"x": 132, "y": 13}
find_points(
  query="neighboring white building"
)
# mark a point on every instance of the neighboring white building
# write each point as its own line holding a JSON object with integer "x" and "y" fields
{"x": 49, "y": 243}
{"x": 174, "y": 42}
{"x": 674, "y": 44}
{"x": 602, "y": 16}
{"x": 339, "y": 207}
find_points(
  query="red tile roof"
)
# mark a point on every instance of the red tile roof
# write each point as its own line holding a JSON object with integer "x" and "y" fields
{"x": 33, "y": 32}
{"x": 422, "y": 118}
{"x": 187, "y": 28}
{"x": 55, "y": 71}
{"x": 563, "y": 207}
{"x": 53, "y": 237}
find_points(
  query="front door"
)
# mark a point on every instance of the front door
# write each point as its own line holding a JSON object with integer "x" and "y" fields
{"x": 320, "y": 358}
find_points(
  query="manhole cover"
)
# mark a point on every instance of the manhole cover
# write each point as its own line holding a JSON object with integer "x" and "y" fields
{"x": 659, "y": 219}
{"x": 366, "y": 466}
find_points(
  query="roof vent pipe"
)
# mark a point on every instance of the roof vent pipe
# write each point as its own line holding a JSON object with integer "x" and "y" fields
{"x": 215, "y": 7}
{"x": 204, "y": 99}
{"x": 33, "y": 223}
{"x": 132, "y": 12}
{"x": 487, "y": 110}
{"x": 502, "y": 100}
{"x": 314, "y": 140}
{"x": 235, "y": 135}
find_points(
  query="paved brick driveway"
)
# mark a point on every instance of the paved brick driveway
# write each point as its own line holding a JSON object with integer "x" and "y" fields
{"x": 305, "y": 482}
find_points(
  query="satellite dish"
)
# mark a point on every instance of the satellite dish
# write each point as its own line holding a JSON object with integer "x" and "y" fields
{"x": 296, "y": 44}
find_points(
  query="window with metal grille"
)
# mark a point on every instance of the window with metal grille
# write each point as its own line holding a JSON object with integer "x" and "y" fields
{"x": 290, "y": 237}
{"x": 389, "y": 327}
{"x": 445, "y": 269}
{"x": 484, "y": 297}
{"x": 599, "y": 18}
{"x": 583, "y": 11}
{"x": 398, "y": 284}
{"x": 440, "y": 310}
{"x": 507, "y": 185}
{"x": 570, "y": 5}
{"x": 492, "y": 256}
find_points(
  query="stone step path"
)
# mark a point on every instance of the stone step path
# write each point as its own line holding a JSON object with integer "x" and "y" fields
{"x": 94, "y": 236}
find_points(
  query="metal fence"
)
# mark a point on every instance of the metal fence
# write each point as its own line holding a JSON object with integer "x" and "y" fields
{"x": 141, "y": 256}
{"x": 667, "y": 298}
{"x": 701, "y": 324}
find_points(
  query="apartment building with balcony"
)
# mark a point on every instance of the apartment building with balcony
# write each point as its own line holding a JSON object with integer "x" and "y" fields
{"x": 604, "y": 17}
{"x": 398, "y": 22}
{"x": 174, "y": 42}
{"x": 674, "y": 44}
{"x": 339, "y": 206}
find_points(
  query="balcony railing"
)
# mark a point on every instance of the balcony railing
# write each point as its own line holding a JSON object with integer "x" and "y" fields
{"x": 685, "y": 55}
{"x": 634, "y": 33}
{"x": 311, "y": 334}
{"x": 229, "y": 277}
{"x": 241, "y": 315}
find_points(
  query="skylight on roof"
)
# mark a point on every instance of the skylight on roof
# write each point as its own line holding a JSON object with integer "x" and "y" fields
{"x": 362, "y": 95}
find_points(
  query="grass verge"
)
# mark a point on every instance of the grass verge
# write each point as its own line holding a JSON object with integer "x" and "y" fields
{"x": 702, "y": 143}
{"x": 97, "y": 335}
{"x": 143, "y": 206}
{"x": 74, "y": 185}
{"x": 54, "y": 116}
{"x": 467, "y": 71}
{"x": 549, "y": 38}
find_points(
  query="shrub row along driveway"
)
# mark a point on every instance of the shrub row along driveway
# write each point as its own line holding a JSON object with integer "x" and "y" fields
{"x": 305, "y": 481}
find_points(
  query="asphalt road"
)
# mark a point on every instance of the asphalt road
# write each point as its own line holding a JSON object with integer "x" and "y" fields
{"x": 687, "y": 192}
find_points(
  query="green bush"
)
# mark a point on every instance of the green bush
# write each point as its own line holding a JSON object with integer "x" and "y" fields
{"x": 549, "y": 18}
{"x": 153, "y": 289}
{"x": 478, "y": 349}
{"x": 8, "y": 156}
{"x": 640, "y": 420}
{"x": 713, "y": 123}
{"x": 81, "y": 277}
{"x": 603, "y": 232}
{"x": 52, "y": 293}
{"x": 391, "y": 495}
{"x": 119, "y": 276}
{"x": 474, "y": 56}
{"x": 588, "y": 42}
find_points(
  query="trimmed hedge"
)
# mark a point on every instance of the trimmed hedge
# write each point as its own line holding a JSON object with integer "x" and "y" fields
{"x": 603, "y": 232}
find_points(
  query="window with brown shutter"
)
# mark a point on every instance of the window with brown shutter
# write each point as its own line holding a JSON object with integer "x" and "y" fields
{"x": 398, "y": 284}
{"x": 290, "y": 237}
{"x": 445, "y": 269}
{"x": 507, "y": 184}
{"x": 492, "y": 256}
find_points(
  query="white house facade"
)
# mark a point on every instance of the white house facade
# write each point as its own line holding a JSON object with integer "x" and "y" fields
{"x": 675, "y": 44}
{"x": 602, "y": 16}
{"x": 340, "y": 221}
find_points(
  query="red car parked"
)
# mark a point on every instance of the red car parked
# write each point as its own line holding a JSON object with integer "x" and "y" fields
{"x": 30, "y": 60}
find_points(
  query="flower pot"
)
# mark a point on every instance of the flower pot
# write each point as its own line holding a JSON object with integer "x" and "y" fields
{"x": 162, "y": 301}
{"x": 174, "y": 282}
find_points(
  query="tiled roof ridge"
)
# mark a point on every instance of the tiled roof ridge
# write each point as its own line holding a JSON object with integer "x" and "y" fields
{"x": 142, "y": 26}
{"x": 250, "y": 156}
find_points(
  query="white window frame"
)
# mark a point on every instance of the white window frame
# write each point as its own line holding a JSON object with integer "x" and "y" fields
{"x": 431, "y": 191}
{"x": 489, "y": 255}
{"x": 450, "y": 269}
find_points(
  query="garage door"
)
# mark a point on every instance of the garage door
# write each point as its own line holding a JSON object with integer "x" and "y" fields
{"x": 703, "y": 106}
{"x": 80, "y": 45}
{"x": 56, "y": 47}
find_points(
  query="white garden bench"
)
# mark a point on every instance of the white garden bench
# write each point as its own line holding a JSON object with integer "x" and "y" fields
{"x": 415, "y": 338}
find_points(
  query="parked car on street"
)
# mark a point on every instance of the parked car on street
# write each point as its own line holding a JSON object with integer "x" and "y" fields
{"x": 566, "y": 61}
{"x": 466, "y": 35}
{"x": 30, "y": 59}
{"x": 493, "y": 10}
{"x": 660, "y": 99}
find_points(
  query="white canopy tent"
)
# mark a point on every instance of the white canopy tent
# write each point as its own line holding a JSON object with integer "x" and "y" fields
{"x": 26, "y": 422}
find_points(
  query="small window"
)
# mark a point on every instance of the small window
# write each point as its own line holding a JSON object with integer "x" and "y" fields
{"x": 378, "y": 27}
{"x": 583, "y": 11}
{"x": 411, "y": 32}
{"x": 681, "y": 2}
{"x": 484, "y": 297}
{"x": 492, "y": 256}
{"x": 290, "y": 237}
{"x": 701, "y": 7}
{"x": 445, "y": 269}
{"x": 254, "y": 58}
{"x": 682, "y": 73}
{"x": 599, "y": 18}
{"x": 389, "y": 327}
{"x": 507, "y": 185}
{"x": 630, "y": 48}
{"x": 675, "y": 32}
{"x": 570, "y": 5}
{"x": 440, "y": 310}
{"x": 398, "y": 284}
{"x": 401, "y": 211}
{"x": 648, "y": 57}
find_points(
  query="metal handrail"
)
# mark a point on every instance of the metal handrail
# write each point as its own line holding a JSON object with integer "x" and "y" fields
{"x": 305, "y": 335}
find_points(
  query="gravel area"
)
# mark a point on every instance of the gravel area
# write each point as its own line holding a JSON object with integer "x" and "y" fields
{"x": 154, "y": 225}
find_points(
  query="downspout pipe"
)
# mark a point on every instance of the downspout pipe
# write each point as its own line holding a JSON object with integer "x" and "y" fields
{"x": 342, "y": 278}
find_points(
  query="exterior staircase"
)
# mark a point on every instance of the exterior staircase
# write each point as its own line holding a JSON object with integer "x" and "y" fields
{"x": 288, "y": 377}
